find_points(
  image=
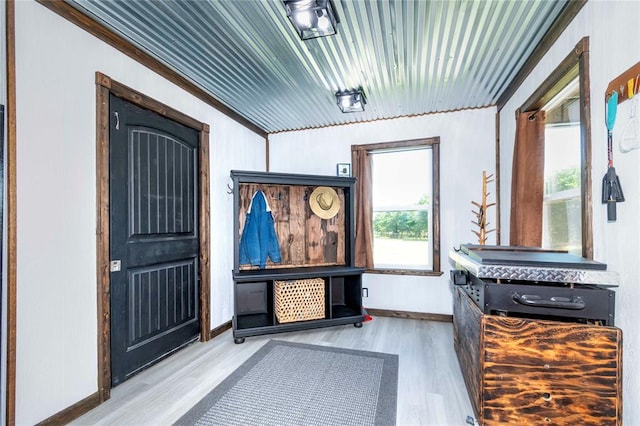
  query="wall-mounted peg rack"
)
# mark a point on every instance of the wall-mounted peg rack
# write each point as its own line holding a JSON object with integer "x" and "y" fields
{"x": 626, "y": 83}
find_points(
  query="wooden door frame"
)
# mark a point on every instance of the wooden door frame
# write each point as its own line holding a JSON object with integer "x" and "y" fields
{"x": 11, "y": 214}
{"x": 104, "y": 87}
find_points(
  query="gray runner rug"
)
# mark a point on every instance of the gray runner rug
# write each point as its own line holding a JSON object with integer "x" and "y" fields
{"x": 287, "y": 383}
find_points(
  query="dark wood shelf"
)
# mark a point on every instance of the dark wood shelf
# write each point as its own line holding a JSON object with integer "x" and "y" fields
{"x": 295, "y": 273}
{"x": 245, "y": 176}
{"x": 254, "y": 321}
{"x": 343, "y": 311}
{"x": 255, "y": 289}
{"x": 297, "y": 326}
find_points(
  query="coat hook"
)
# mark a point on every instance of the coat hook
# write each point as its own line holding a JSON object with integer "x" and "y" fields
{"x": 229, "y": 189}
{"x": 306, "y": 195}
{"x": 279, "y": 195}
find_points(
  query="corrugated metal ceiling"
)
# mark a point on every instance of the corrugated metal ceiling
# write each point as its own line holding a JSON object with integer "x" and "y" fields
{"x": 410, "y": 56}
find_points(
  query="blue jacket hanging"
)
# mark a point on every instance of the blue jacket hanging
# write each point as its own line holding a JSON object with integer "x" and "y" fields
{"x": 259, "y": 239}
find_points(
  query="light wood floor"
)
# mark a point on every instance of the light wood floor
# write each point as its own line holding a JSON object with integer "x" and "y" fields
{"x": 430, "y": 386}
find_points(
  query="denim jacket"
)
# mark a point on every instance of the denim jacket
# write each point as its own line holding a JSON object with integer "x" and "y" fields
{"x": 259, "y": 239}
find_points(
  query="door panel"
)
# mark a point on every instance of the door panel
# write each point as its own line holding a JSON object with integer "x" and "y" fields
{"x": 161, "y": 300}
{"x": 154, "y": 235}
{"x": 162, "y": 172}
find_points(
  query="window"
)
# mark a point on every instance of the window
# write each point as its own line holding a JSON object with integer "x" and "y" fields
{"x": 566, "y": 204}
{"x": 401, "y": 198}
{"x": 404, "y": 198}
{"x": 562, "y": 216}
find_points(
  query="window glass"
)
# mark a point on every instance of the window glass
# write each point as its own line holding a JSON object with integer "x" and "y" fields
{"x": 562, "y": 210}
{"x": 402, "y": 208}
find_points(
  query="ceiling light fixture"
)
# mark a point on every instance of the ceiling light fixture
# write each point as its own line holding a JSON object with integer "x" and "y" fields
{"x": 351, "y": 101}
{"x": 312, "y": 18}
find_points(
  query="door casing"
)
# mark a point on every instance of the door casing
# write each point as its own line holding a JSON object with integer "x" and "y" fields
{"x": 105, "y": 86}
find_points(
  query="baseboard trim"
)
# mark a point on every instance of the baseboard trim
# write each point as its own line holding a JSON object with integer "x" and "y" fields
{"x": 410, "y": 315}
{"x": 219, "y": 329}
{"x": 92, "y": 401}
{"x": 73, "y": 412}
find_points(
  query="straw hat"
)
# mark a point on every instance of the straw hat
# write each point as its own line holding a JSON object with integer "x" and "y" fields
{"x": 324, "y": 202}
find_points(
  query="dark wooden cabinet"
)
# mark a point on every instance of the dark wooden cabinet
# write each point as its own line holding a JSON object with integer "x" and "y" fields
{"x": 311, "y": 248}
{"x": 531, "y": 371}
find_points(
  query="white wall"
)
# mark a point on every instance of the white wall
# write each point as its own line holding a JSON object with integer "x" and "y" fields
{"x": 56, "y": 186}
{"x": 611, "y": 26}
{"x": 467, "y": 147}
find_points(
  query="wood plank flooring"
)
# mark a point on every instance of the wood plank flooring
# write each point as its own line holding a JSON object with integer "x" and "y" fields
{"x": 431, "y": 390}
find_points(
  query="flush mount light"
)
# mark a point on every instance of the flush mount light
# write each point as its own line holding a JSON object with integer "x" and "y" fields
{"x": 312, "y": 18}
{"x": 351, "y": 101}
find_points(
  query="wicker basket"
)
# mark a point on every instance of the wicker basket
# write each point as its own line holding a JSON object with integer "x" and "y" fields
{"x": 299, "y": 300}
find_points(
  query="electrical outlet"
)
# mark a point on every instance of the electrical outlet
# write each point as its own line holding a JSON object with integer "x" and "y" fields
{"x": 365, "y": 292}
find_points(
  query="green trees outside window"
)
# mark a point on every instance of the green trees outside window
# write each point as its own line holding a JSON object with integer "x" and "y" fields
{"x": 403, "y": 224}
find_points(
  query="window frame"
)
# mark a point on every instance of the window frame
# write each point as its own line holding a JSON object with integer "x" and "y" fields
{"x": 432, "y": 143}
{"x": 575, "y": 64}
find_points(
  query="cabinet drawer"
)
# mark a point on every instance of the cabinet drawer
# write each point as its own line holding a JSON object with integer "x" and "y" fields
{"x": 533, "y": 398}
{"x": 547, "y": 372}
{"x": 251, "y": 298}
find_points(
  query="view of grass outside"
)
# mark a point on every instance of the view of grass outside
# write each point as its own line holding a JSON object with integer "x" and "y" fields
{"x": 401, "y": 205}
{"x": 395, "y": 252}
